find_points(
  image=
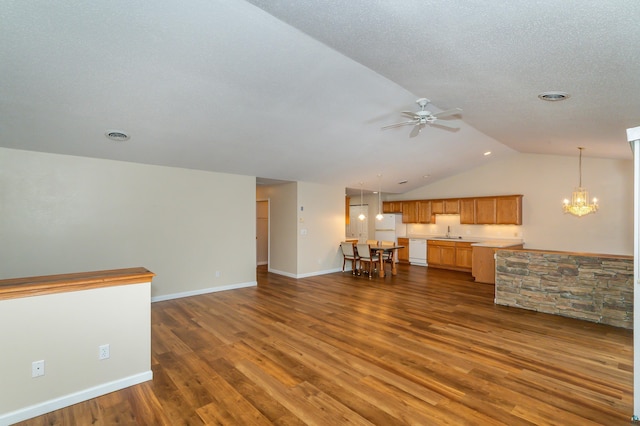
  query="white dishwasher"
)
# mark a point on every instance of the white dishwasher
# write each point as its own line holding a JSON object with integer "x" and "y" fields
{"x": 418, "y": 251}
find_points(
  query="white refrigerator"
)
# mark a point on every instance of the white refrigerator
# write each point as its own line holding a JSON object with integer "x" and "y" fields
{"x": 386, "y": 228}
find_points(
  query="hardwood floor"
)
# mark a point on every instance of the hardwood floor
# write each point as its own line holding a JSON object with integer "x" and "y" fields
{"x": 426, "y": 347}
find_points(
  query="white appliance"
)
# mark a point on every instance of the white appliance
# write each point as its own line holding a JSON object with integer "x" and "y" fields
{"x": 386, "y": 228}
{"x": 418, "y": 251}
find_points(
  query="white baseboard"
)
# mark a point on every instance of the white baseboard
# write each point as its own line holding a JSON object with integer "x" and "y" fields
{"x": 74, "y": 398}
{"x": 202, "y": 291}
{"x": 310, "y": 274}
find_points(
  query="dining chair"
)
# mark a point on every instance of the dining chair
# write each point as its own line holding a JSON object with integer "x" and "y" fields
{"x": 387, "y": 256}
{"x": 372, "y": 242}
{"x": 349, "y": 253}
{"x": 366, "y": 256}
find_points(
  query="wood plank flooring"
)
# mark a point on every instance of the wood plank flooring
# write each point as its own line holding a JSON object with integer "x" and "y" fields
{"x": 426, "y": 347}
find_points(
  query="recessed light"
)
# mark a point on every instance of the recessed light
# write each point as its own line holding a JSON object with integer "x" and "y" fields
{"x": 117, "y": 135}
{"x": 554, "y": 96}
{"x": 487, "y": 153}
{"x": 426, "y": 176}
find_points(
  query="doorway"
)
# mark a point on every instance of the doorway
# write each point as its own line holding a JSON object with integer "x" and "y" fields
{"x": 262, "y": 232}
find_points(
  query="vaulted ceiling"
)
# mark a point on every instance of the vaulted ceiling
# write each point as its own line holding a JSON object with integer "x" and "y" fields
{"x": 289, "y": 90}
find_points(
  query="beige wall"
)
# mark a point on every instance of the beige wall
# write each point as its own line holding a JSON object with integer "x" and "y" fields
{"x": 545, "y": 180}
{"x": 61, "y": 214}
{"x": 320, "y": 228}
{"x": 283, "y": 244}
{"x": 65, "y": 330}
{"x": 292, "y": 252}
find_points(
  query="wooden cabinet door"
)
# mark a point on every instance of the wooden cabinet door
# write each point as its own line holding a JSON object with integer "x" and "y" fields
{"x": 392, "y": 207}
{"x": 403, "y": 253}
{"x": 486, "y": 210}
{"x": 509, "y": 210}
{"x": 437, "y": 206}
{"x": 464, "y": 255}
{"x": 424, "y": 211}
{"x": 467, "y": 211}
{"x": 409, "y": 212}
{"x": 346, "y": 211}
{"x": 452, "y": 206}
{"x": 433, "y": 255}
{"x": 448, "y": 256}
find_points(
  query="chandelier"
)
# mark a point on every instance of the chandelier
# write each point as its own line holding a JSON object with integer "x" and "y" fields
{"x": 579, "y": 204}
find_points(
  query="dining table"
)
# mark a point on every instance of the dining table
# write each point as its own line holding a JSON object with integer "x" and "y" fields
{"x": 380, "y": 249}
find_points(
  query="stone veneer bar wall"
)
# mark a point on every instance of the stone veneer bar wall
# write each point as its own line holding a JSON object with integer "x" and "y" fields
{"x": 592, "y": 287}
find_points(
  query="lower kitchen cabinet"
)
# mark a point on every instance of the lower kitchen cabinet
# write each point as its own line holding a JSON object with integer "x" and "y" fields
{"x": 449, "y": 255}
{"x": 403, "y": 253}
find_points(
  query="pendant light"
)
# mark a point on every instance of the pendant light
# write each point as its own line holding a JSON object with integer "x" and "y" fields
{"x": 379, "y": 215}
{"x": 361, "y": 216}
{"x": 579, "y": 204}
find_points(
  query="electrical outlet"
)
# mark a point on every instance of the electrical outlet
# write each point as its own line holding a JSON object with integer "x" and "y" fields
{"x": 217, "y": 274}
{"x": 103, "y": 352}
{"x": 37, "y": 368}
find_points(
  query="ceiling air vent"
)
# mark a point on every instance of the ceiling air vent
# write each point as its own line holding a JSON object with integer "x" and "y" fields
{"x": 117, "y": 135}
{"x": 554, "y": 96}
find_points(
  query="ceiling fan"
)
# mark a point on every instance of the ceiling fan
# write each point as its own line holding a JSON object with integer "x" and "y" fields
{"x": 421, "y": 118}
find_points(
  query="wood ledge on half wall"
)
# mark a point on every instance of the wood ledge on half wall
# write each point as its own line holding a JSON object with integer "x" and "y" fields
{"x": 571, "y": 253}
{"x": 48, "y": 284}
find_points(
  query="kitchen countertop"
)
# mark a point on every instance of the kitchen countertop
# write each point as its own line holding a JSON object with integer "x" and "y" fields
{"x": 476, "y": 241}
{"x": 497, "y": 244}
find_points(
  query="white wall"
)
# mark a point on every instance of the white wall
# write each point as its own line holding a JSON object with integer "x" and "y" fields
{"x": 65, "y": 330}
{"x": 62, "y": 214}
{"x": 545, "y": 180}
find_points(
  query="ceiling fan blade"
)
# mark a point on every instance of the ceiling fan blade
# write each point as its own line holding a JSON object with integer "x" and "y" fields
{"x": 410, "y": 114}
{"x": 447, "y": 113}
{"x": 443, "y": 123}
{"x": 404, "y": 123}
{"x": 416, "y": 130}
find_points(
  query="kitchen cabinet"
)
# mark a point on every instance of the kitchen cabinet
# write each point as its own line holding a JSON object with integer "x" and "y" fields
{"x": 409, "y": 212}
{"x": 464, "y": 255}
{"x": 509, "y": 210}
{"x": 403, "y": 253}
{"x": 467, "y": 211}
{"x": 392, "y": 207}
{"x": 504, "y": 210}
{"x": 485, "y": 210}
{"x": 455, "y": 255}
{"x": 494, "y": 210}
{"x": 424, "y": 211}
{"x": 347, "y": 208}
{"x": 416, "y": 211}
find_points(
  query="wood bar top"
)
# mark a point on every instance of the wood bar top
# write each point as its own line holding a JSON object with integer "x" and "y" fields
{"x": 47, "y": 284}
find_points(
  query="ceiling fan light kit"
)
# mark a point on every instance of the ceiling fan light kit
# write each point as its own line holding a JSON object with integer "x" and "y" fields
{"x": 423, "y": 117}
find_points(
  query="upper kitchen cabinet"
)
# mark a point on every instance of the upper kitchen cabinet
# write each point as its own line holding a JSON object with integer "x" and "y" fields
{"x": 451, "y": 206}
{"x": 409, "y": 212}
{"x": 509, "y": 210}
{"x": 485, "y": 210}
{"x": 503, "y": 210}
{"x": 416, "y": 211}
{"x": 424, "y": 211}
{"x": 392, "y": 207}
{"x": 467, "y": 211}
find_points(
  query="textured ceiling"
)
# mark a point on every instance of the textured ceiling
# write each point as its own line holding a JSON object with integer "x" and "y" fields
{"x": 299, "y": 90}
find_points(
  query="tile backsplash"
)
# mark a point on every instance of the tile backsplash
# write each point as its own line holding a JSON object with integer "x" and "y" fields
{"x": 468, "y": 231}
